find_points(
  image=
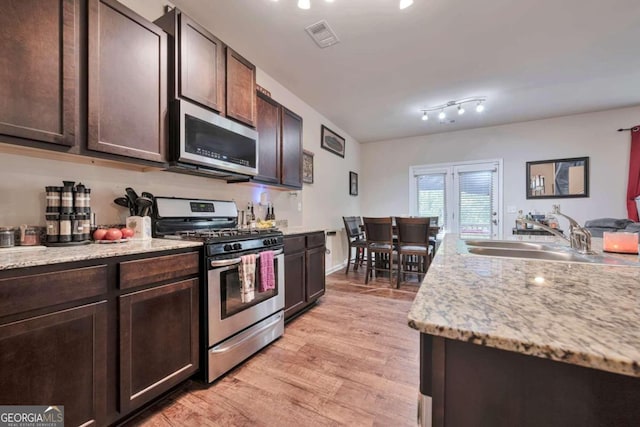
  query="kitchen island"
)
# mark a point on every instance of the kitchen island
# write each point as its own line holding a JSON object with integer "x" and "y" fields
{"x": 518, "y": 342}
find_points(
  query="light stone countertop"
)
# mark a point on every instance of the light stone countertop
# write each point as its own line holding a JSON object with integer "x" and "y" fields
{"x": 583, "y": 314}
{"x": 55, "y": 255}
{"x": 288, "y": 231}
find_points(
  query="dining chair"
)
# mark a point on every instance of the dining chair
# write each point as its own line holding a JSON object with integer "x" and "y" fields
{"x": 355, "y": 240}
{"x": 379, "y": 238}
{"x": 414, "y": 247}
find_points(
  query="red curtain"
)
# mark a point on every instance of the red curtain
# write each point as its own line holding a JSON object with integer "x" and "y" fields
{"x": 633, "y": 189}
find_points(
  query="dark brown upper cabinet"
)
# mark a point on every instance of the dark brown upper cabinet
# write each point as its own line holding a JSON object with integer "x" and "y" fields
{"x": 241, "y": 88}
{"x": 201, "y": 71}
{"x": 196, "y": 61}
{"x": 208, "y": 72}
{"x": 279, "y": 144}
{"x": 127, "y": 83}
{"x": 38, "y": 73}
{"x": 268, "y": 127}
{"x": 291, "y": 149}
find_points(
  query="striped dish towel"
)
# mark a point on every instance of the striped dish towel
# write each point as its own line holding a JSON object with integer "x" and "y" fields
{"x": 267, "y": 275}
{"x": 247, "y": 273}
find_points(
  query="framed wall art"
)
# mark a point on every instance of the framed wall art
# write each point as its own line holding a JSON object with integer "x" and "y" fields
{"x": 353, "y": 183}
{"x": 307, "y": 167}
{"x": 331, "y": 141}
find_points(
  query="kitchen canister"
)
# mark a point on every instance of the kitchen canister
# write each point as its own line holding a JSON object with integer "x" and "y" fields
{"x": 29, "y": 235}
{"x": 7, "y": 237}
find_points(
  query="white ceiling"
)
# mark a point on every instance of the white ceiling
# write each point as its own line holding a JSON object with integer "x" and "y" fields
{"x": 532, "y": 58}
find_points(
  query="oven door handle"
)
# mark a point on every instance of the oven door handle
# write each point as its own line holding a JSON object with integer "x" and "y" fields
{"x": 236, "y": 341}
{"x": 228, "y": 262}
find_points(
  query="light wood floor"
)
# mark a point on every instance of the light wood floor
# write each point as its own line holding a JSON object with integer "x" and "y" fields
{"x": 350, "y": 360}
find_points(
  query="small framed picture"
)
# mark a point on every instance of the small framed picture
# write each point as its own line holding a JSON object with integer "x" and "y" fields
{"x": 307, "y": 167}
{"x": 353, "y": 183}
{"x": 331, "y": 141}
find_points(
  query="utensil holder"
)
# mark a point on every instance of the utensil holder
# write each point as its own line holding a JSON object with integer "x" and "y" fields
{"x": 141, "y": 226}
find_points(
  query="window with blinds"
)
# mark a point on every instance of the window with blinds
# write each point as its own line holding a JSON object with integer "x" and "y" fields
{"x": 465, "y": 197}
{"x": 432, "y": 196}
{"x": 476, "y": 203}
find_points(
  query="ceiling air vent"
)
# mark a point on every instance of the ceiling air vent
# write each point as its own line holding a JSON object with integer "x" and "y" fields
{"x": 322, "y": 34}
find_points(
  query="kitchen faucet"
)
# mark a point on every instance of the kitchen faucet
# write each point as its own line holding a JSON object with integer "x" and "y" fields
{"x": 579, "y": 237}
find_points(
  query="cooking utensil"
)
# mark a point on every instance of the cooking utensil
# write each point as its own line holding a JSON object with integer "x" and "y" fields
{"x": 143, "y": 204}
{"x": 149, "y": 210}
{"x": 131, "y": 193}
{"x": 125, "y": 202}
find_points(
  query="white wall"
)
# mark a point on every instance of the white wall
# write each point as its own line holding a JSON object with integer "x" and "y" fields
{"x": 23, "y": 176}
{"x": 385, "y": 170}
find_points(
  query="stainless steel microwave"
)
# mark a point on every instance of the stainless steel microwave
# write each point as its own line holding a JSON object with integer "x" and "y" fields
{"x": 206, "y": 139}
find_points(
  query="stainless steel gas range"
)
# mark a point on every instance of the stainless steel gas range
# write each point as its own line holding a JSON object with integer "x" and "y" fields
{"x": 234, "y": 327}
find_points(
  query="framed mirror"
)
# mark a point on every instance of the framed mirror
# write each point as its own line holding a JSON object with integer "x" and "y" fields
{"x": 559, "y": 178}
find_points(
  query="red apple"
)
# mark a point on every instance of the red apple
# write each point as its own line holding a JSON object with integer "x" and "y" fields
{"x": 99, "y": 234}
{"x": 127, "y": 232}
{"x": 113, "y": 234}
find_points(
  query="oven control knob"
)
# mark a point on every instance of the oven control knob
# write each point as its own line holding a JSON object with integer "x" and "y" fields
{"x": 237, "y": 246}
{"x": 266, "y": 242}
{"x": 228, "y": 247}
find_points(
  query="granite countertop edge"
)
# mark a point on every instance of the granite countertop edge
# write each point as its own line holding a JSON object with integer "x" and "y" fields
{"x": 580, "y": 358}
{"x": 59, "y": 255}
{"x": 466, "y": 298}
{"x": 291, "y": 231}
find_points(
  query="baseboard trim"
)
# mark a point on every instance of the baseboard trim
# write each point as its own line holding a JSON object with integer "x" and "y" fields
{"x": 335, "y": 268}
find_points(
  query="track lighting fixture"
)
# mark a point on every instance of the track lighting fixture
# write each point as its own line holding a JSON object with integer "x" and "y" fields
{"x": 458, "y": 104}
{"x": 425, "y": 116}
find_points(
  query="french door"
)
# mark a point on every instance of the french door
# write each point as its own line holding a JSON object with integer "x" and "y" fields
{"x": 465, "y": 197}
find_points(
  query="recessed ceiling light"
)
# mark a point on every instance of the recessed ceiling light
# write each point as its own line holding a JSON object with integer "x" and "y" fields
{"x": 405, "y": 4}
{"x": 304, "y": 4}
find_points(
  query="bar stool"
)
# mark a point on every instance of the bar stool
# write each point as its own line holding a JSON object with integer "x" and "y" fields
{"x": 433, "y": 222}
{"x": 379, "y": 235}
{"x": 355, "y": 240}
{"x": 414, "y": 248}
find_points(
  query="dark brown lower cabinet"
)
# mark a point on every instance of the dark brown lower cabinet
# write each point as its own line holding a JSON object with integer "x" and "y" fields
{"x": 475, "y": 385}
{"x": 58, "y": 359}
{"x": 294, "y": 276}
{"x": 158, "y": 340}
{"x": 101, "y": 337}
{"x": 304, "y": 271}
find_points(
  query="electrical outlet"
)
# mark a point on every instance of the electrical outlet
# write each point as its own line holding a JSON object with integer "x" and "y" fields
{"x": 299, "y": 206}
{"x": 512, "y": 209}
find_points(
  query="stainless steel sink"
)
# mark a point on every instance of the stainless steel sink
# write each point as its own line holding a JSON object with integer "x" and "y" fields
{"x": 530, "y": 254}
{"x": 537, "y": 252}
{"x": 508, "y": 244}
